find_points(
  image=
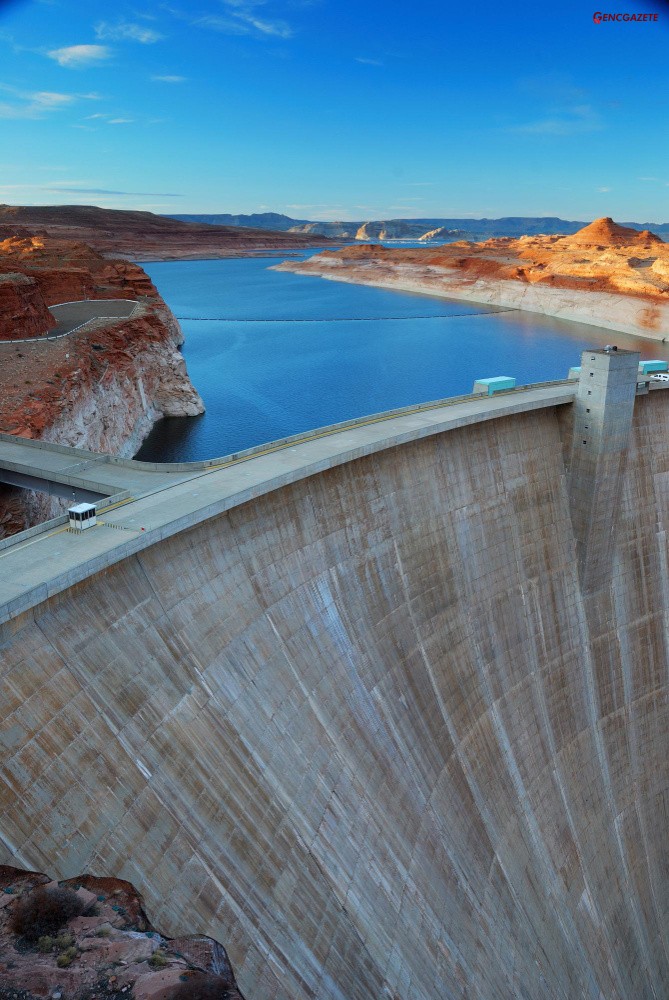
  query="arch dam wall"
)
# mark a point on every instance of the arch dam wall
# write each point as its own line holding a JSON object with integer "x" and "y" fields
{"x": 370, "y": 730}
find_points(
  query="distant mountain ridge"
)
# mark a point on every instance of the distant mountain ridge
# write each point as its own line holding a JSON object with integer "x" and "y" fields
{"x": 413, "y": 229}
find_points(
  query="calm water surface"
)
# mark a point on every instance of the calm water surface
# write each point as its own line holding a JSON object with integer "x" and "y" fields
{"x": 274, "y": 353}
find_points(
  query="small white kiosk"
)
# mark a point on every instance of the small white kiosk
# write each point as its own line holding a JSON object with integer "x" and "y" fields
{"x": 82, "y": 516}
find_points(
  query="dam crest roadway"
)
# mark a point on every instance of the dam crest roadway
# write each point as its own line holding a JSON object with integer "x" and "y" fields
{"x": 151, "y": 501}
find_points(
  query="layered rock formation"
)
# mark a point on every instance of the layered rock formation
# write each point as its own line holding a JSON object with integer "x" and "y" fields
{"x": 23, "y": 310}
{"x": 107, "y": 947}
{"x": 606, "y": 274}
{"x": 101, "y": 388}
{"x": 142, "y": 235}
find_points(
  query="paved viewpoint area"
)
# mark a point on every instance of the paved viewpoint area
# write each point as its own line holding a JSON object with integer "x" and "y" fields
{"x": 71, "y": 315}
{"x": 363, "y": 706}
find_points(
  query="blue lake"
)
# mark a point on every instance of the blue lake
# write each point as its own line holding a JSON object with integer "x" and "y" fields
{"x": 274, "y": 353}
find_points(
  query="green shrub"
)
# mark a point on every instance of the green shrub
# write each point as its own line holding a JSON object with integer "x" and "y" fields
{"x": 42, "y": 912}
{"x": 66, "y": 958}
{"x": 46, "y": 944}
{"x": 158, "y": 960}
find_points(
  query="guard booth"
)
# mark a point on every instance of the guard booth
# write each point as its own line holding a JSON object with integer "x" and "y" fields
{"x": 82, "y": 516}
{"x": 652, "y": 367}
{"x": 489, "y": 386}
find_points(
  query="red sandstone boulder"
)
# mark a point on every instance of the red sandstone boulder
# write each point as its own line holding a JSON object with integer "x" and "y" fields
{"x": 110, "y": 950}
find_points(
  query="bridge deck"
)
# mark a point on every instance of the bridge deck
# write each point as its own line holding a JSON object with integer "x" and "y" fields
{"x": 163, "y": 503}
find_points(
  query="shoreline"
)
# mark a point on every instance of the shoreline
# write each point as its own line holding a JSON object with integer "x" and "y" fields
{"x": 618, "y": 313}
{"x": 266, "y": 253}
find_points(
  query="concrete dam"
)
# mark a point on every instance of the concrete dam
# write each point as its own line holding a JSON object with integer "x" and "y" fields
{"x": 384, "y": 708}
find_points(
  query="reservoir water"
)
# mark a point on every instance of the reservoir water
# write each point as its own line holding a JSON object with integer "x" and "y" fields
{"x": 274, "y": 353}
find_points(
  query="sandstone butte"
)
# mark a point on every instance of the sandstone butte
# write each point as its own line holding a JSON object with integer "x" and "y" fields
{"x": 605, "y": 274}
{"x": 109, "y": 950}
{"x": 102, "y": 387}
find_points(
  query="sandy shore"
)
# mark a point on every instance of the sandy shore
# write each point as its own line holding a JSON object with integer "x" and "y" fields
{"x": 631, "y": 314}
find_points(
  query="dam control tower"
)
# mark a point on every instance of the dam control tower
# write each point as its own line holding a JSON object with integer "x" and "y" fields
{"x": 603, "y": 412}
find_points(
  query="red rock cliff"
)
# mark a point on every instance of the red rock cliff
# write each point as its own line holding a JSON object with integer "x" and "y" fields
{"x": 23, "y": 311}
{"x": 103, "y": 386}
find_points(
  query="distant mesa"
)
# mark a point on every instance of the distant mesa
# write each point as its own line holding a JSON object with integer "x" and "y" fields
{"x": 424, "y": 230}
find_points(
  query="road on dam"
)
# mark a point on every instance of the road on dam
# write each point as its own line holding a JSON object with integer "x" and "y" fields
{"x": 157, "y": 500}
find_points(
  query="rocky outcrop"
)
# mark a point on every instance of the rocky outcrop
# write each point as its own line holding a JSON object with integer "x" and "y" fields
{"x": 441, "y": 233}
{"x": 605, "y": 275}
{"x": 23, "y": 311}
{"x": 101, "y": 388}
{"x": 68, "y": 270}
{"x": 89, "y": 936}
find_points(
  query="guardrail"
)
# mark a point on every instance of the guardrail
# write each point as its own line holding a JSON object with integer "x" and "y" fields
{"x": 285, "y": 442}
{"x": 48, "y": 337}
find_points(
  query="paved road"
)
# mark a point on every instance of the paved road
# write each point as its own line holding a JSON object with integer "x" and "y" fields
{"x": 71, "y": 315}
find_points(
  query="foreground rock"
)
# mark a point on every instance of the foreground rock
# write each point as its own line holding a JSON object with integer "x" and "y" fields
{"x": 102, "y": 387}
{"x": 107, "y": 948}
{"x": 604, "y": 275}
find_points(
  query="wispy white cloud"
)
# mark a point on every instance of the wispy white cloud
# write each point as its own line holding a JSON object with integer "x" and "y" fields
{"x": 241, "y": 17}
{"x": 127, "y": 31}
{"x": 80, "y": 56}
{"x": 36, "y": 104}
{"x": 109, "y": 118}
{"x": 128, "y": 194}
{"x": 238, "y": 24}
{"x": 73, "y": 187}
{"x": 169, "y": 78}
{"x": 574, "y": 120}
{"x": 368, "y": 62}
{"x": 604, "y": 190}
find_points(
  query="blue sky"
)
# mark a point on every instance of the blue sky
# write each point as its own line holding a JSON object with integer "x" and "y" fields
{"x": 336, "y": 109}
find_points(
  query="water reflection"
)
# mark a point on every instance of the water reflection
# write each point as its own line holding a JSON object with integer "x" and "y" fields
{"x": 290, "y": 356}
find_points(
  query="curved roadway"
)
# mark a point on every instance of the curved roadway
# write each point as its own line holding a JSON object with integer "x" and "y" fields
{"x": 157, "y": 501}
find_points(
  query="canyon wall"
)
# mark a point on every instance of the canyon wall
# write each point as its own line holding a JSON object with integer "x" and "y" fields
{"x": 372, "y": 727}
{"x": 102, "y": 387}
{"x": 23, "y": 310}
